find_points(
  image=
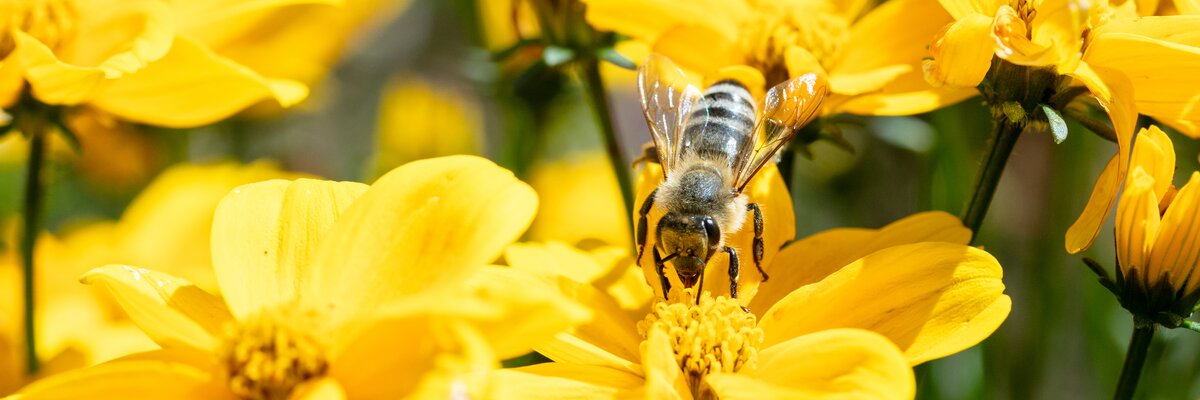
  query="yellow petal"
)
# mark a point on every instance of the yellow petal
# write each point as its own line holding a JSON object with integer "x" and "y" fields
{"x": 865, "y": 82}
{"x": 424, "y": 227}
{"x": 931, "y": 299}
{"x": 191, "y": 85}
{"x": 170, "y": 310}
{"x": 699, "y": 48}
{"x": 579, "y": 200}
{"x": 1177, "y": 247}
{"x": 524, "y": 311}
{"x": 813, "y": 258}
{"x": 111, "y": 41}
{"x": 426, "y": 356}
{"x": 1137, "y": 223}
{"x": 609, "y": 269}
{"x": 166, "y": 374}
{"x": 836, "y": 363}
{"x": 264, "y": 235}
{"x": 563, "y": 381}
{"x": 1083, "y": 232}
{"x": 1115, "y": 93}
{"x": 664, "y": 379}
{"x": 961, "y": 9}
{"x": 888, "y": 37}
{"x": 647, "y": 20}
{"x": 169, "y": 224}
{"x": 1165, "y": 88}
{"x": 1155, "y": 153}
{"x": 610, "y": 339}
{"x": 962, "y": 54}
{"x": 321, "y": 389}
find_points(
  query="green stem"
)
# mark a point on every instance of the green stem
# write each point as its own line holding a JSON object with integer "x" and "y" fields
{"x": 1135, "y": 357}
{"x": 598, "y": 99}
{"x": 31, "y": 226}
{"x": 1004, "y": 138}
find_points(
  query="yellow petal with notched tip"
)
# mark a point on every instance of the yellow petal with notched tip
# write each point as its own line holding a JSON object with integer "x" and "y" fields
{"x": 423, "y": 227}
{"x": 962, "y": 54}
{"x": 836, "y": 363}
{"x": 1137, "y": 223}
{"x": 563, "y": 381}
{"x": 1081, "y": 234}
{"x": 264, "y": 235}
{"x": 1177, "y": 248}
{"x": 190, "y": 86}
{"x": 159, "y": 374}
{"x": 811, "y": 259}
{"x": 415, "y": 355}
{"x": 932, "y": 299}
{"x": 170, "y": 310}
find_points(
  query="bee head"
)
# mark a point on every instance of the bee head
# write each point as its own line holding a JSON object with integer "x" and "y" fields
{"x": 689, "y": 240}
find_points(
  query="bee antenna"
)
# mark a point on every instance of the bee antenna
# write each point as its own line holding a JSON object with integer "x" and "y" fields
{"x": 668, "y": 258}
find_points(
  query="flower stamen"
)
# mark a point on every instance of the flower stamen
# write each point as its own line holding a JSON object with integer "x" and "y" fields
{"x": 268, "y": 356}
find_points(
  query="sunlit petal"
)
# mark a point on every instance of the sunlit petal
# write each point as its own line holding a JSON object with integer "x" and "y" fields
{"x": 173, "y": 374}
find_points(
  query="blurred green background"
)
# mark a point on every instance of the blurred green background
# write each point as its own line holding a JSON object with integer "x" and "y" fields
{"x": 1065, "y": 338}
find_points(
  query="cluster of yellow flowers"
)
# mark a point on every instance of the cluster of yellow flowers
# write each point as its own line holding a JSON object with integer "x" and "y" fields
{"x": 270, "y": 284}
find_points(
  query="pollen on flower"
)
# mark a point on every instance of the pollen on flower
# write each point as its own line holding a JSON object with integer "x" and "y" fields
{"x": 269, "y": 355}
{"x": 765, "y": 40}
{"x": 713, "y": 336}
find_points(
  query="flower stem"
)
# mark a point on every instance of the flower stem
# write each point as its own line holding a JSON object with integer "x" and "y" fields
{"x": 31, "y": 226}
{"x": 1004, "y": 138}
{"x": 598, "y": 99}
{"x": 1135, "y": 357}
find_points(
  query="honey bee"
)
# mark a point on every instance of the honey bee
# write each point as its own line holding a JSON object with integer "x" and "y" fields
{"x": 709, "y": 145}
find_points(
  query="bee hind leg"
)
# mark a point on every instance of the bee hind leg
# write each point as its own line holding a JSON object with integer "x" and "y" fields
{"x": 658, "y": 267}
{"x": 758, "y": 240}
{"x": 641, "y": 227}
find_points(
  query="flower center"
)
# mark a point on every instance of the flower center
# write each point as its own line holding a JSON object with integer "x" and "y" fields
{"x": 766, "y": 38}
{"x": 49, "y": 21}
{"x": 267, "y": 356}
{"x": 710, "y": 337}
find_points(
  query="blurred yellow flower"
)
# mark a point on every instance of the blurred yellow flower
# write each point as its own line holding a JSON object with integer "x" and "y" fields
{"x": 871, "y": 56}
{"x": 338, "y": 289}
{"x": 1156, "y": 231}
{"x": 167, "y": 225}
{"x": 418, "y": 120}
{"x": 848, "y": 318}
{"x": 580, "y": 201}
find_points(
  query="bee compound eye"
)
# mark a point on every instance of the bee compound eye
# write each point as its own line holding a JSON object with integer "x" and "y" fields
{"x": 711, "y": 229}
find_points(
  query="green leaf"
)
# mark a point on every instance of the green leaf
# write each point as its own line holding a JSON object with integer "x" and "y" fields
{"x": 1058, "y": 127}
{"x": 612, "y": 56}
{"x": 555, "y": 55}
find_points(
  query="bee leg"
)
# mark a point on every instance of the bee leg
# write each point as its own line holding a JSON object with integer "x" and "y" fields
{"x": 734, "y": 273}
{"x": 758, "y": 241}
{"x": 658, "y": 267}
{"x": 649, "y": 155}
{"x": 641, "y": 227}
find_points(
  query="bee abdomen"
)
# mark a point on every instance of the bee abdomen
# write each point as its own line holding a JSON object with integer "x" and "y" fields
{"x": 722, "y": 123}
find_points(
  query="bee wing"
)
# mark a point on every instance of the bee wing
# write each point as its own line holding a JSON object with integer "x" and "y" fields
{"x": 787, "y": 108}
{"x": 667, "y": 99}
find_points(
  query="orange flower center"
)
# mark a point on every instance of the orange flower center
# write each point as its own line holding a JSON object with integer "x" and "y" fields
{"x": 51, "y": 22}
{"x": 766, "y": 39}
{"x": 713, "y": 336}
{"x": 268, "y": 356}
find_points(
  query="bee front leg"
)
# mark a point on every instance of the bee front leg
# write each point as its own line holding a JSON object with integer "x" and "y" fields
{"x": 662, "y": 276}
{"x": 758, "y": 240}
{"x": 641, "y": 227}
{"x": 734, "y": 272}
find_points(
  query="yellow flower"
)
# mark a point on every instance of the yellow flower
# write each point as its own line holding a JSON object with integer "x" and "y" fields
{"x": 580, "y": 201}
{"x": 338, "y": 289}
{"x": 848, "y": 318}
{"x": 1095, "y": 46}
{"x": 1156, "y": 232}
{"x": 166, "y": 226}
{"x": 871, "y": 56}
{"x": 418, "y": 120}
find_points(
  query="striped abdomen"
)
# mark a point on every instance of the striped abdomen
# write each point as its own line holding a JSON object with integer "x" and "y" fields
{"x": 721, "y": 125}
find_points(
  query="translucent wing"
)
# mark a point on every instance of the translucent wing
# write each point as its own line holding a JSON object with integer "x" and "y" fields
{"x": 667, "y": 99}
{"x": 788, "y": 107}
